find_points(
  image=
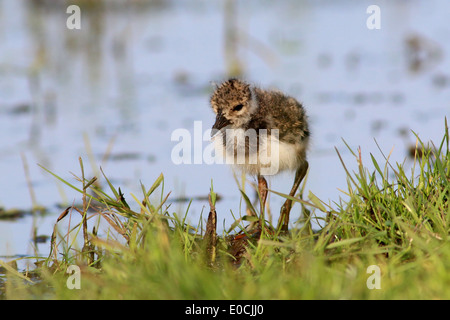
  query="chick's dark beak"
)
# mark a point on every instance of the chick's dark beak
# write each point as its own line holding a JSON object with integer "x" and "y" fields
{"x": 220, "y": 123}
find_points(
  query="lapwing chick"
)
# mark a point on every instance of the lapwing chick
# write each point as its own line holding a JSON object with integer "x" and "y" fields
{"x": 262, "y": 133}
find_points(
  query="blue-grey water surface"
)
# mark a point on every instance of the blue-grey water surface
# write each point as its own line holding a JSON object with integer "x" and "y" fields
{"x": 138, "y": 70}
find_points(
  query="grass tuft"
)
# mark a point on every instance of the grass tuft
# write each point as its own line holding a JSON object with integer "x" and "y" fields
{"x": 393, "y": 218}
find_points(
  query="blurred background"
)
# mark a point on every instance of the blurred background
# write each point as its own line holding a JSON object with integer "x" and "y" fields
{"x": 113, "y": 92}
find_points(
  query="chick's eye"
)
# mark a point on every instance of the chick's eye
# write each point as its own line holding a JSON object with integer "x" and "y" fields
{"x": 238, "y": 107}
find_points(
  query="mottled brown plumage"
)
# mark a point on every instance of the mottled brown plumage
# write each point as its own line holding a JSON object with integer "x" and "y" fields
{"x": 241, "y": 106}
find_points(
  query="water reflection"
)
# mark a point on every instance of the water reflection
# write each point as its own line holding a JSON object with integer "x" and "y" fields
{"x": 114, "y": 91}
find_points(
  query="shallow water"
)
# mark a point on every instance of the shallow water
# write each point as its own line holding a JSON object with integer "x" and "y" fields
{"x": 134, "y": 73}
